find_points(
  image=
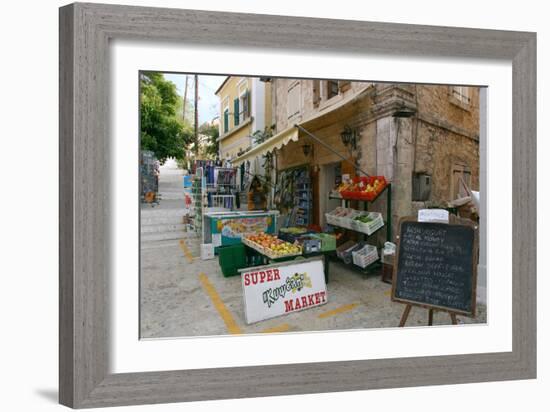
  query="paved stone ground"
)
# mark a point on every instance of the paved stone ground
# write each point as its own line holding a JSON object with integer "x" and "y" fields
{"x": 174, "y": 283}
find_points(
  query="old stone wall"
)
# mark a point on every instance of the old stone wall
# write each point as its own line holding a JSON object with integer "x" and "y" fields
{"x": 437, "y": 105}
{"x": 437, "y": 150}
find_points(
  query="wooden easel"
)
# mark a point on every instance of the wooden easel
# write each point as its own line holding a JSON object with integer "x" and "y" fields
{"x": 407, "y": 309}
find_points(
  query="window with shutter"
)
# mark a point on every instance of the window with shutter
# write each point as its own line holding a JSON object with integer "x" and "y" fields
{"x": 293, "y": 101}
{"x": 245, "y": 100}
{"x": 460, "y": 176}
{"x": 236, "y": 114}
{"x": 332, "y": 88}
{"x": 226, "y": 121}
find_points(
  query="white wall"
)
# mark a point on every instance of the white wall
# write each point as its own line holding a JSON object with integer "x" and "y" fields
{"x": 29, "y": 225}
{"x": 258, "y": 104}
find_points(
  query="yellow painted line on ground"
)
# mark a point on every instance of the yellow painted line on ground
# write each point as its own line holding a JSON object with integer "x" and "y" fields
{"x": 225, "y": 314}
{"x": 281, "y": 328}
{"x": 337, "y": 311}
{"x": 186, "y": 251}
{"x": 387, "y": 292}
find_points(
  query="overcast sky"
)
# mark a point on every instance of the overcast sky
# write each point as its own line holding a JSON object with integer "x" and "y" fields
{"x": 209, "y": 106}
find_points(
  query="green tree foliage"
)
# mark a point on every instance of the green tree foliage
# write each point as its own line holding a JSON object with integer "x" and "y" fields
{"x": 163, "y": 131}
{"x": 213, "y": 132}
{"x": 260, "y": 136}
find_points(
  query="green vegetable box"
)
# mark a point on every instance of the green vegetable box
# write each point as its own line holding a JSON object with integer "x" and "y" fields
{"x": 328, "y": 241}
{"x": 367, "y": 222}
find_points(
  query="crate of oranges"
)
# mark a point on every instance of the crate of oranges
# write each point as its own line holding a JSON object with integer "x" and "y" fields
{"x": 364, "y": 188}
{"x": 272, "y": 246}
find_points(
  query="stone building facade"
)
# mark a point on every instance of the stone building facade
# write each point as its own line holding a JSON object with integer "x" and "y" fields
{"x": 404, "y": 132}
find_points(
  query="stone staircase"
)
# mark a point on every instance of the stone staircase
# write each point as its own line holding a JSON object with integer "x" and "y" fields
{"x": 164, "y": 222}
{"x": 159, "y": 224}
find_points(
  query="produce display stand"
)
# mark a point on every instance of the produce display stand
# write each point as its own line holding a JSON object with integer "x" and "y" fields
{"x": 268, "y": 253}
{"x": 387, "y": 223}
{"x": 228, "y": 228}
{"x": 256, "y": 257}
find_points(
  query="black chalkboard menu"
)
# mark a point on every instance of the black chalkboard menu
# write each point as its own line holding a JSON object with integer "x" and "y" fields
{"x": 436, "y": 266}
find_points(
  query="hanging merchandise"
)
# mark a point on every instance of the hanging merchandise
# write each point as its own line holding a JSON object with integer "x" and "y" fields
{"x": 214, "y": 190}
{"x": 197, "y": 197}
{"x": 294, "y": 196}
{"x": 285, "y": 191}
{"x": 225, "y": 179}
{"x": 303, "y": 196}
{"x": 208, "y": 168}
{"x": 256, "y": 195}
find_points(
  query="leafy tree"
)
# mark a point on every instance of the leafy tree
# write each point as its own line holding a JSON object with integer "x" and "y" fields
{"x": 163, "y": 131}
{"x": 260, "y": 136}
{"x": 213, "y": 132}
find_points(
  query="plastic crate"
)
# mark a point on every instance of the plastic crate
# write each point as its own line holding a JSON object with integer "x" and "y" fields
{"x": 268, "y": 252}
{"x": 365, "y": 256}
{"x": 341, "y": 217}
{"x": 344, "y": 251}
{"x": 333, "y": 216}
{"x": 231, "y": 259}
{"x": 364, "y": 180}
{"x": 330, "y": 218}
{"x": 369, "y": 228}
{"x": 346, "y": 221}
{"x": 310, "y": 244}
{"x": 290, "y": 236}
{"x": 328, "y": 241}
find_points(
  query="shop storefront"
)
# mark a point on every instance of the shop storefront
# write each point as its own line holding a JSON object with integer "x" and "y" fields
{"x": 337, "y": 184}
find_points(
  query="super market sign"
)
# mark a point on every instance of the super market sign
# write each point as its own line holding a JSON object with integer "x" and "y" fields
{"x": 276, "y": 290}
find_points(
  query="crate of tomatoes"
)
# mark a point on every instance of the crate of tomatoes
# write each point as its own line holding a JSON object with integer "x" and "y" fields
{"x": 364, "y": 188}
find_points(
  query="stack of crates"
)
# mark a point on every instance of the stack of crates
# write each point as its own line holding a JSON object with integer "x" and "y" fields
{"x": 345, "y": 250}
{"x": 231, "y": 259}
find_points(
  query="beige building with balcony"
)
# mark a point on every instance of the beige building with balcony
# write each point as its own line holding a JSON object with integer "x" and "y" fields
{"x": 245, "y": 107}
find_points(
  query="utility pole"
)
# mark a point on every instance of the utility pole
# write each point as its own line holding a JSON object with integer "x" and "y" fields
{"x": 185, "y": 96}
{"x": 183, "y": 114}
{"x": 196, "y": 115}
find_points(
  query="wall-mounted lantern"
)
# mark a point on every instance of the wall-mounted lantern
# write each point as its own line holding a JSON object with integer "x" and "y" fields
{"x": 307, "y": 149}
{"x": 349, "y": 137}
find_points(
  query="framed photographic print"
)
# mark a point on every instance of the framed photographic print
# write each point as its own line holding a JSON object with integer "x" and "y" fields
{"x": 256, "y": 205}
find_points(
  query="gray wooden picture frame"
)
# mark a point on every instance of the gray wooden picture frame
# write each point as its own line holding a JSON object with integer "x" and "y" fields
{"x": 85, "y": 31}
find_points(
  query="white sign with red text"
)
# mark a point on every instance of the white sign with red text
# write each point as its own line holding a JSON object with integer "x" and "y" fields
{"x": 279, "y": 289}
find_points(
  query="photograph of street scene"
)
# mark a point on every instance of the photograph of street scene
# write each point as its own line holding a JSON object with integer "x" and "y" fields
{"x": 280, "y": 205}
